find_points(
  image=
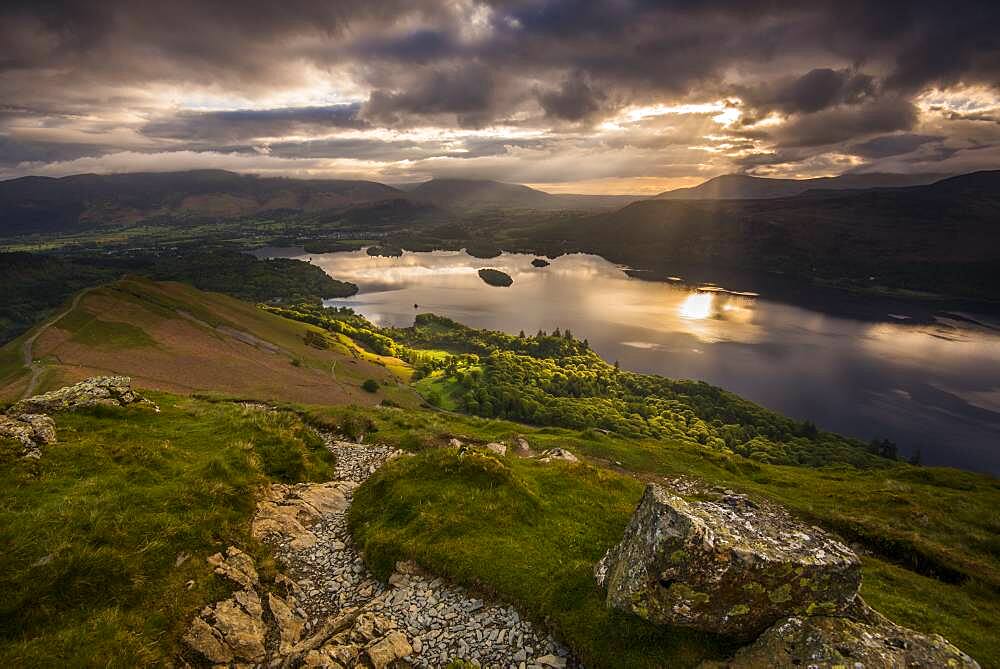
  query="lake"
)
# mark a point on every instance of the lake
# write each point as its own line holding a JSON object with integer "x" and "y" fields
{"x": 925, "y": 375}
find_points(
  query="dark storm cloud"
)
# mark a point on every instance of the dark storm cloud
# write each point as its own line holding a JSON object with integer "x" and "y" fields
{"x": 668, "y": 44}
{"x": 892, "y": 145}
{"x": 816, "y": 90}
{"x": 471, "y": 92}
{"x": 846, "y": 122}
{"x": 243, "y": 124}
{"x": 839, "y": 75}
{"x": 574, "y": 100}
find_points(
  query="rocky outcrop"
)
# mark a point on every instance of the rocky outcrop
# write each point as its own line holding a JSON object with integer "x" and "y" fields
{"x": 728, "y": 566}
{"x": 97, "y": 391}
{"x": 862, "y": 638}
{"x": 355, "y": 638}
{"x": 496, "y": 448}
{"x": 287, "y": 511}
{"x": 522, "y": 448}
{"x": 732, "y": 566}
{"x": 558, "y": 454}
{"x": 232, "y": 630}
{"x": 31, "y": 430}
{"x": 256, "y": 625}
{"x": 26, "y": 421}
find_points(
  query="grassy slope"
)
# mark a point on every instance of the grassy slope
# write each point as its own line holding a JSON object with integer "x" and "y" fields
{"x": 91, "y": 533}
{"x": 554, "y": 523}
{"x": 173, "y": 337}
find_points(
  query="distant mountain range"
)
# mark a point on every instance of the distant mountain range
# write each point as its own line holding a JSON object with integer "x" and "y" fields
{"x": 44, "y": 204}
{"x": 85, "y": 201}
{"x": 859, "y": 230}
{"x": 741, "y": 186}
{"x": 464, "y": 194}
{"x": 940, "y": 238}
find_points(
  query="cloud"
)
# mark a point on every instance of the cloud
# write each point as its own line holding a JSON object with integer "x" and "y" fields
{"x": 847, "y": 122}
{"x": 813, "y": 91}
{"x": 470, "y": 93}
{"x": 244, "y": 124}
{"x": 574, "y": 100}
{"x": 892, "y": 145}
{"x": 816, "y": 84}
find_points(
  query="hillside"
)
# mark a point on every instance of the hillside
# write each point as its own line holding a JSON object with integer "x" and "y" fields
{"x": 120, "y": 519}
{"x": 172, "y": 337}
{"x": 483, "y": 194}
{"x": 939, "y": 238}
{"x": 85, "y": 201}
{"x": 36, "y": 283}
{"x": 742, "y": 186}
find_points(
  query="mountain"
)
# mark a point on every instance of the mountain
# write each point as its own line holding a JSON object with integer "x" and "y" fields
{"x": 940, "y": 238}
{"x": 464, "y": 194}
{"x": 742, "y": 186}
{"x": 84, "y": 201}
{"x": 172, "y": 337}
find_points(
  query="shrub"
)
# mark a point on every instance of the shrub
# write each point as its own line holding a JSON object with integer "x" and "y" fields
{"x": 371, "y": 385}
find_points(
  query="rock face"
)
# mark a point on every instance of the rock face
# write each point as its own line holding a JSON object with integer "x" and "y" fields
{"x": 726, "y": 566}
{"x": 32, "y": 430}
{"x": 289, "y": 510}
{"x": 233, "y": 629}
{"x": 98, "y": 391}
{"x": 863, "y": 638}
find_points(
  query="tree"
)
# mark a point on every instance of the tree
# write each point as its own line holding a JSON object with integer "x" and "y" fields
{"x": 371, "y": 385}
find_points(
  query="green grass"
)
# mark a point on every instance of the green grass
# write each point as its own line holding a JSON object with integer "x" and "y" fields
{"x": 527, "y": 532}
{"x": 90, "y": 533}
{"x": 89, "y": 330}
{"x": 913, "y": 521}
{"x": 445, "y": 388}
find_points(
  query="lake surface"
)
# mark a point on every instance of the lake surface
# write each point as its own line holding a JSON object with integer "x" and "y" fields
{"x": 926, "y": 377}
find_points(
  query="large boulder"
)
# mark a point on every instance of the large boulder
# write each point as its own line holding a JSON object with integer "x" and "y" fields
{"x": 728, "y": 566}
{"x": 862, "y": 638}
{"x": 98, "y": 391}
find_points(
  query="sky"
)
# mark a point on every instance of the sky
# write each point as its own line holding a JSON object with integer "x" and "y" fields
{"x": 622, "y": 96}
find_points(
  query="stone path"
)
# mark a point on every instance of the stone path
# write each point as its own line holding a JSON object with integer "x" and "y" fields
{"x": 443, "y": 621}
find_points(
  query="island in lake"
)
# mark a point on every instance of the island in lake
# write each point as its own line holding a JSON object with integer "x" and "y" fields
{"x": 540, "y": 262}
{"x": 495, "y": 277}
{"x": 386, "y": 250}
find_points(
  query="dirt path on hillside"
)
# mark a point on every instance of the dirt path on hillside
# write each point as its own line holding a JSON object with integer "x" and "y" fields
{"x": 27, "y": 358}
{"x": 444, "y": 621}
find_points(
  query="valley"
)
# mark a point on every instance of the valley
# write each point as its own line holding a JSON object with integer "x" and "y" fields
{"x": 556, "y": 518}
{"x": 336, "y": 326}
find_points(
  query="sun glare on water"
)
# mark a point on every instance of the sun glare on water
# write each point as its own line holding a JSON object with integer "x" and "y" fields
{"x": 697, "y": 306}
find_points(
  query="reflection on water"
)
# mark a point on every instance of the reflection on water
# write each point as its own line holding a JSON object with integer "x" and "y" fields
{"x": 696, "y": 306}
{"x": 932, "y": 385}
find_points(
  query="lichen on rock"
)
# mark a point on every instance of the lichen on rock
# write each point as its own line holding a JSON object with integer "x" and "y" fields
{"x": 861, "y": 637}
{"x": 96, "y": 391}
{"x": 729, "y": 566}
{"x": 31, "y": 430}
